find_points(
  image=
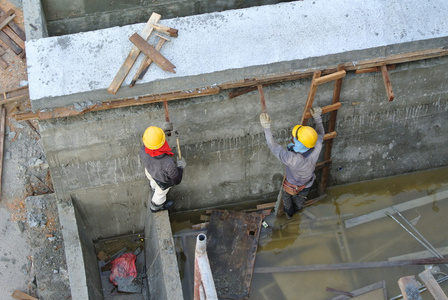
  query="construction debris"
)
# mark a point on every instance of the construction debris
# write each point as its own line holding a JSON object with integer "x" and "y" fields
{"x": 11, "y": 34}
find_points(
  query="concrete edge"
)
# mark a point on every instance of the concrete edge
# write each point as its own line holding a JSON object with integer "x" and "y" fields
{"x": 34, "y": 20}
{"x": 73, "y": 250}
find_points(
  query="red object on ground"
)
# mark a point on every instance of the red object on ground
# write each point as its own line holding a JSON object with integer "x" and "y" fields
{"x": 123, "y": 266}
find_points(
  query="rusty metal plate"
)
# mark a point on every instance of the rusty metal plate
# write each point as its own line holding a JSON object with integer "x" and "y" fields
{"x": 232, "y": 241}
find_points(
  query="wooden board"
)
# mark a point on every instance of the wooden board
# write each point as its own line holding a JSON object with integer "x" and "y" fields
{"x": 13, "y": 24}
{"x": 400, "y": 207}
{"x": 133, "y": 54}
{"x": 152, "y": 53}
{"x": 232, "y": 241}
{"x": 433, "y": 287}
{"x": 376, "y": 291}
{"x": 22, "y": 296}
{"x": 409, "y": 288}
{"x": 10, "y": 43}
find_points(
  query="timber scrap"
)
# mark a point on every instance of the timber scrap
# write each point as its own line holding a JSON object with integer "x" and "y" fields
{"x": 369, "y": 65}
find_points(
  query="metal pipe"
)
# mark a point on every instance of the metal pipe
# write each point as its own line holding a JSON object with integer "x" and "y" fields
{"x": 204, "y": 286}
{"x": 420, "y": 235}
{"x": 413, "y": 235}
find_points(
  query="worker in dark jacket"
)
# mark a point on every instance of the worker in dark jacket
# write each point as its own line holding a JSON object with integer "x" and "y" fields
{"x": 160, "y": 167}
{"x": 299, "y": 159}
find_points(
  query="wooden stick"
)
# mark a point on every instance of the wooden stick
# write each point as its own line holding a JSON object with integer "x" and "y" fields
{"x": 374, "y": 69}
{"x": 146, "y": 63}
{"x": 331, "y": 77}
{"x": 165, "y": 29}
{"x": 386, "y": 79}
{"x": 432, "y": 285}
{"x": 67, "y": 111}
{"x": 10, "y": 43}
{"x": 349, "y": 266}
{"x": 330, "y": 135}
{"x": 2, "y": 142}
{"x": 14, "y": 37}
{"x": 326, "y": 109}
{"x": 262, "y": 100}
{"x": 6, "y": 21}
{"x": 152, "y": 53}
{"x": 311, "y": 95}
{"x": 132, "y": 57}
{"x": 22, "y": 296}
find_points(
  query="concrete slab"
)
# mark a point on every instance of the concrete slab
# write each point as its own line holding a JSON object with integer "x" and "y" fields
{"x": 85, "y": 64}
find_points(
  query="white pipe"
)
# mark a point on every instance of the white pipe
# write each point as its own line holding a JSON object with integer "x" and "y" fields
{"x": 203, "y": 278}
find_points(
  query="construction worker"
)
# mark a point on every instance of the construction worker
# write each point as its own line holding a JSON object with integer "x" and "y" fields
{"x": 299, "y": 159}
{"x": 160, "y": 167}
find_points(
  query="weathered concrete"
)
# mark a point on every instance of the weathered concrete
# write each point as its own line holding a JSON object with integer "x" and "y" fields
{"x": 69, "y": 16}
{"x": 94, "y": 158}
{"x": 161, "y": 262}
{"x": 34, "y": 20}
{"x": 80, "y": 254}
{"x": 80, "y": 67}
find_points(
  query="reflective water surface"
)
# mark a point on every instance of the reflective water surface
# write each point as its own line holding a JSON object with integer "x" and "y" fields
{"x": 320, "y": 236}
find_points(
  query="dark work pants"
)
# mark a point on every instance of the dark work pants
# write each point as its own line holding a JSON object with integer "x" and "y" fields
{"x": 294, "y": 203}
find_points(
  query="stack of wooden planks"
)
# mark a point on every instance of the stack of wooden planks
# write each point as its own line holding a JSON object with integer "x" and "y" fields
{"x": 11, "y": 34}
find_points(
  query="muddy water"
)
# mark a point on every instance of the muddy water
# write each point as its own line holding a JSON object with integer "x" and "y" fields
{"x": 319, "y": 236}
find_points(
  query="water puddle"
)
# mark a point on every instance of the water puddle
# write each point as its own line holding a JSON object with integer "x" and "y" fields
{"x": 328, "y": 234}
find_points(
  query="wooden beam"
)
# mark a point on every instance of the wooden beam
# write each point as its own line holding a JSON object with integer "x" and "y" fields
{"x": 409, "y": 288}
{"x": 374, "y": 69}
{"x": 10, "y": 43}
{"x": 350, "y": 266}
{"x": 330, "y": 77}
{"x": 387, "y": 84}
{"x": 400, "y": 207}
{"x": 152, "y": 53}
{"x": 5, "y": 22}
{"x": 348, "y": 66}
{"x": 22, "y": 296}
{"x": 330, "y": 135}
{"x": 310, "y": 98}
{"x": 433, "y": 287}
{"x": 67, "y": 111}
{"x": 132, "y": 57}
{"x": 166, "y": 30}
{"x": 2, "y": 141}
{"x": 13, "y": 36}
{"x": 13, "y": 24}
{"x": 326, "y": 109}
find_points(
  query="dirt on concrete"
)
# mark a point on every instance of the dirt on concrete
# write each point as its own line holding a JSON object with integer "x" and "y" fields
{"x": 32, "y": 258}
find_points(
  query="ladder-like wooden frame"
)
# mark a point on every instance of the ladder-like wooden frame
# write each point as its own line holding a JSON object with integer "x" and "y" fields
{"x": 333, "y": 108}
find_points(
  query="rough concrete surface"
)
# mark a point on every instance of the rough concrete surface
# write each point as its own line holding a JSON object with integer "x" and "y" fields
{"x": 247, "y": 37}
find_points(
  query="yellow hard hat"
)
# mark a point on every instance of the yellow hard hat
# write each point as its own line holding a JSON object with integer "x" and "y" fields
{"x": 153, "y": 138}
{"x": 305, "y": 134}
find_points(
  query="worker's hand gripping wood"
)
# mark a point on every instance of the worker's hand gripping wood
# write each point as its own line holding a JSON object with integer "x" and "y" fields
{"x": 265, "y": 120}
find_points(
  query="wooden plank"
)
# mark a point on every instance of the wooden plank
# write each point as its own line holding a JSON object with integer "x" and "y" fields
{"x": 387, "y": 84}
{"x": 10, "y": 43}
{"x": 374, "y": 69}
{"x": 146, "y": 63}
{"x": 13, "y": 24}
{"x": 2, "y": 142}
{"x": 5, "y": 22}
{"x": 326, "y": 109}
{"x": 166, "y": 30}
{"x": 262, "y": 100}
{"x": 310, "y": 98}
{"x": 330, "y": 77}
{"x": 14, "y": 37}
{"x": 348, "y": 66}
{"x": 241, "y": 91}
{"x": 409, "y": 288}
{"x": 365, "y": 290}
{"x": 132, "y": 57}
{"x": 152, "y": 53}
{"x": 400, "y": 207}
{"x": 433, "y": 287}
{"x": 22, "y": 296}
{"x": 3, "y": 63}
{"x": 67, "y": 111}
{"x": 350, "y": 266}
{"x": 330, "y": 135}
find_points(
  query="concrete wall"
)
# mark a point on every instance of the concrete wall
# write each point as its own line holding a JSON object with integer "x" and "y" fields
{"x": 69, "y": 16}
{"x": 80, "y": 254}
{"x": 161, "y": 262}
{"x": 93, "y": 158}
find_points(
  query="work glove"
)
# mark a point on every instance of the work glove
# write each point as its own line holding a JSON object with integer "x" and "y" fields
{"x": 181, "y": 163}
{"x": 316, "y": 112}
{"x": 167, "y": 127}
{"x": 265, "y": 120}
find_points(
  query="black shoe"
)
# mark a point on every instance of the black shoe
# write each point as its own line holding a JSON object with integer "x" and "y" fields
{"x": 165, "y": 206}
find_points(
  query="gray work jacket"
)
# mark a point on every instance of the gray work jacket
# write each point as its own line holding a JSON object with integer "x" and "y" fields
{"x": 299, "y": 169}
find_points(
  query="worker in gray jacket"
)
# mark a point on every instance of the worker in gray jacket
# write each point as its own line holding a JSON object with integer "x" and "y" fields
{"x": 160, "y": 168}
{"x": 299, "y": 159}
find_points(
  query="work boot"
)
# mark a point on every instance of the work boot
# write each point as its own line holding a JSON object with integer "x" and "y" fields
{"x": 165, "y": 206}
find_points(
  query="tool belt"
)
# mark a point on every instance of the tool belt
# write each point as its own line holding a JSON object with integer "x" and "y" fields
{"x": 292, "y": 189}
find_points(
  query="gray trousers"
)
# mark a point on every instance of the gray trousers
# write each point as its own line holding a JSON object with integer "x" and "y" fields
{"x": 294, "y": 203}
